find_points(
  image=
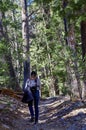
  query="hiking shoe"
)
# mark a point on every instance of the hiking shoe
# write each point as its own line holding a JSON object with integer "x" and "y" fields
{"x": 31, "y": 120}
{"x": 36, "y": 122}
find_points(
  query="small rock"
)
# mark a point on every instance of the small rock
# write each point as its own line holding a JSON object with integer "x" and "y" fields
{"x": 6, "y": 127}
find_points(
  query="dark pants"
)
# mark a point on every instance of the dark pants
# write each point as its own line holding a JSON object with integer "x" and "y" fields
{"x": 34, "y": 103}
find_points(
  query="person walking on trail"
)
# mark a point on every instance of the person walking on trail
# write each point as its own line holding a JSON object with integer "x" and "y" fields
{"x": 34, "y": 84}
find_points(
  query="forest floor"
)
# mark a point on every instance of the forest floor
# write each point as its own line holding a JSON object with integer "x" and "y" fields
{"x": 58, "y": 113}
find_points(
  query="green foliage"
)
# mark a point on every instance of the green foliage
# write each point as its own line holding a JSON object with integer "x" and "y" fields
{"x": 11, "y": 43}
{"x": 49, "y": 53}
{"x": 6, "y": 5}
{"x": 44, "y": 1}
{"x": 3, "y": 47}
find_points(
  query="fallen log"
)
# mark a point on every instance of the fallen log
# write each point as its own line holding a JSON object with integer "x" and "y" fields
{"x": 11, "y": 93}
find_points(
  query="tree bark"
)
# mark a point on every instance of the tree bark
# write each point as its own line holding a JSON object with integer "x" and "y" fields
{"x": 26, "y": 44}
{"x": 73, "y": 73}
{"x": 83, "y": 39}
{"x": 76, "y": 83}
{"x": 25, "y": 29}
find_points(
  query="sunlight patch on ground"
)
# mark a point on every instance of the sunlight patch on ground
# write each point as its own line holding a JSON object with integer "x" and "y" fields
{"x": 53, "y": 104}
{"x": 75, "y": 112}
{"x": 23, "y": 110}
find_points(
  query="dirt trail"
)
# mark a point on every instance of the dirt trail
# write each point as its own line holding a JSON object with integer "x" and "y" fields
{"x": 55, "y": 114}
{"x": 46, "y": 119}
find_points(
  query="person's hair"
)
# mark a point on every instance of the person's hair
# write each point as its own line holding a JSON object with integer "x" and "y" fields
{"x": 33, "y": 73}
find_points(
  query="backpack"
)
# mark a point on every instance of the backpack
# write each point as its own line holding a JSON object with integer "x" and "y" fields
{"x": 27, "y": 97}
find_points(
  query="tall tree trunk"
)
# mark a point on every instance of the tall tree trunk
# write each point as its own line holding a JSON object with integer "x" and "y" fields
{"x": 83, "y": 39}
{"x": 75, "y": 73}
{"x": 25, "y": 28}
{"x": 25, "y": 36}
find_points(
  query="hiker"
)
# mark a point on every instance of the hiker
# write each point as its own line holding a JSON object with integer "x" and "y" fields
{"x": 34, "y": 84}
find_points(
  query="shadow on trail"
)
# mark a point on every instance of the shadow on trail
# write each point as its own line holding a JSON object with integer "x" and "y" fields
{"x": 55, "y": 114}
{"x": 64, "y": 108}
{"x": 58, "y": 115}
